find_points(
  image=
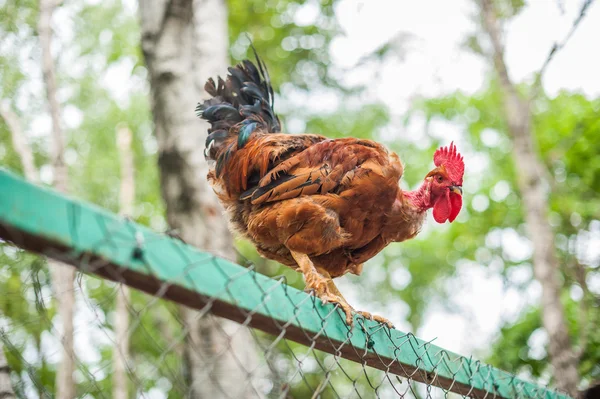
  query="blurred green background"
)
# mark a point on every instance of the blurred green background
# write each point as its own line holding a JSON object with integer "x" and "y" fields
{"x": 470, "y": 284}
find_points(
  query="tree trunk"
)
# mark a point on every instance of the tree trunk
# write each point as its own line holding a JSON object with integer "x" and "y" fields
{"x": 126, "y": 202}
{"x": 184, "y": 43}
{"x": 6, "y": 389}
{"x": 20, "y": 143}
{"x": 531, "y": 178}
{"x": 62, "y": 275}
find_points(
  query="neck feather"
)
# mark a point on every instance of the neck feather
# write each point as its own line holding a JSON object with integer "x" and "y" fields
{"x": 420, "y": 198}
{"x": 407, "y": 214}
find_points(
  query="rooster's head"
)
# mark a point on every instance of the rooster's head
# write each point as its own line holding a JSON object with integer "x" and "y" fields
{"x": 446, "y": 183}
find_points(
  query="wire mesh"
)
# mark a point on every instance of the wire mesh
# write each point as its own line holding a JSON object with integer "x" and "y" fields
{"x": 278, "y": 342}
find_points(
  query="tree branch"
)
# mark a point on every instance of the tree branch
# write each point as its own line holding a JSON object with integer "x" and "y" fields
{"x": 127, "y": 191}
{"x": 556, "y": 47}
{"x": 530, "y": 179}
{"x": 47, "y": 8}
{"x": 19, "y": 141}
{"x": 62, "y": 276}
{"x": 126, "y": 202}
{"x": 6, "y": 389}
{"x": 491, "y": 25}
{"x": 580, "y": 274}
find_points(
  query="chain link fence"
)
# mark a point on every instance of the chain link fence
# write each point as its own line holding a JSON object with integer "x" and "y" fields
{"x": 266, "y": 339}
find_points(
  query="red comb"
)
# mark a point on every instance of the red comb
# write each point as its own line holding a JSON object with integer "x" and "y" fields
{"x": 452, "y": 161}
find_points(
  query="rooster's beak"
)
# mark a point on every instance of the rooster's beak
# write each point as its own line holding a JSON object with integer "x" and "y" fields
{"x": 456, "y": 190}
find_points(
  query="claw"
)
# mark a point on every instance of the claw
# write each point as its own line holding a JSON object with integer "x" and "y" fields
{"x": 366, "y": 315}
{"x": 327, "y": 297}
{"x": 379, "y": 319}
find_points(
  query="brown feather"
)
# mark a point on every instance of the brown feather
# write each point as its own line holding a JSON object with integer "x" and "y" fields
{"x": 325, "y": 198}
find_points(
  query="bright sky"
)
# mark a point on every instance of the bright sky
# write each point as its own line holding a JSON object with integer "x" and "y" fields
{"x": 435, "y": 61}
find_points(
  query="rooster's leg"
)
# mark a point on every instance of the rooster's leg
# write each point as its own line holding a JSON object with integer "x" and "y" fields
{"x": 334, "y": 290}
{"x": 321, "y": 284}
{"x": 349, "y": 310}
{"x": 314, "y": 281}
{"x": 330, "y": 284}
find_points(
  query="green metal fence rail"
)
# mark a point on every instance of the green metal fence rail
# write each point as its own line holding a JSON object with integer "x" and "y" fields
{"x": 98, "y": 242}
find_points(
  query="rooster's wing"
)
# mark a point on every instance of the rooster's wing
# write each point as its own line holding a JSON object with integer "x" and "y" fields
{"x": 329, "y": 166}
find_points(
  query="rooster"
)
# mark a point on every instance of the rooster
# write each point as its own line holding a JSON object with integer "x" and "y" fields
{"x": 321, "y": 206}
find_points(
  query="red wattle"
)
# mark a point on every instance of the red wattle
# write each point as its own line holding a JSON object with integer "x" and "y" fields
{"x": 447, "y": 207}
{"x": 441, "y": 208}
{"x": 455, "y": 206}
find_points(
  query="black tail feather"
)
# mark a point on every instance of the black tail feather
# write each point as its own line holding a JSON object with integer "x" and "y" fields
{"x": 240, "y": 105}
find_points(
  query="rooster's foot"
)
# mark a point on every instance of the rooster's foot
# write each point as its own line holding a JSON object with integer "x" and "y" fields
{"x": 377, "y": 318}
{"x": 316, "y": 283}
{"x": 320, "y": 283}
{"x": 341, "y": 302}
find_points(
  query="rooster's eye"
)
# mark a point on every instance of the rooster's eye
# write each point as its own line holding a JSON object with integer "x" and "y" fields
{"x": 440, "y": 178}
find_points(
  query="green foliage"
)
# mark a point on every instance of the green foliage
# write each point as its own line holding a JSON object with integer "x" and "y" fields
{"x": 570, "y": 145}
{"x": 567, "y": 134}
{"x": 296, "y": 52}
{"x": 24, "y": 281}
{"x": 512, "y": 350}
{"x": 506, "y": 9}
{"x": 516, "y": 337}
{"x": 344, "y": 122}
{"x": 105, "y": 37}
